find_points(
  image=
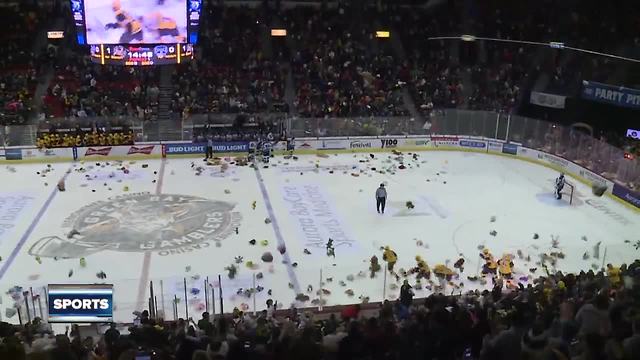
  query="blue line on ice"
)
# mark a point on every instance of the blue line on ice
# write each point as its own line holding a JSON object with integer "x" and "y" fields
{"x": 276, "y": 230}
{"x": 31, "y": 227}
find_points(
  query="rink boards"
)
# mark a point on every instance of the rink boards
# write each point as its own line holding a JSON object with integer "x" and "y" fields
{"x": 334, "y": 145}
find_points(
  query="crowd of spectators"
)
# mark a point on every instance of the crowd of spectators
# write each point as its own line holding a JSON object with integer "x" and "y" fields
{"x": 497, "y": 87}
{"x": 80, "y": 138}
{"x": 82, "y": 89}
{"x": 231, "y": 73}
{"x": 18, "y": 63}
{"x": 338, "y": 69}
{"x": 435, "y": 78}
{"x": 571, "y": 22}
{"x": 499, "y": 79}
{"x": 592, "y": 315}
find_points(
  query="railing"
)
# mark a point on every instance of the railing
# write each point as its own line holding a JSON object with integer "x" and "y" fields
{"x": 354, "y": 126}
{"x": 194, "y": 124}
{"x": 172, "y": 129}
{"x": 569, "y": 143}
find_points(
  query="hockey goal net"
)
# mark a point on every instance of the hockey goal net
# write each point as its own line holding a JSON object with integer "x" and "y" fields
{"x": 568, "y": 192}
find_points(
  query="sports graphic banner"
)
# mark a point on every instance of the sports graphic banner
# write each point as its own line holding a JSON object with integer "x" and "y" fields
{"x": 70, "y": 303}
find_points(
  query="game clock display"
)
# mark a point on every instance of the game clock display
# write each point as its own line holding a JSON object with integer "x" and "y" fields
{"x": 141, "y": 55}
{"x": 137, "y": 32}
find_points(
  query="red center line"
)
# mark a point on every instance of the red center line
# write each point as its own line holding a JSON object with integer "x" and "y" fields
{"x": 146, "y": 262}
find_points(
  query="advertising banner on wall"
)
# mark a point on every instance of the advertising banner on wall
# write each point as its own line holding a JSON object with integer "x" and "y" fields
{"x": 475, "y": 144}
{"x": 547, "y": 100}
{"x": 185, "y": 148}
{"x": 444, "y": 141}
{"x": 120, "y": 151}
{"x": 232, "y": 146}
{"x": 361, "y": 144}
{"x": 331, "y": 145}
{"x": 609, "y": 94}
{"x": 511, "y": 149}
{"x": 632, "y": 197}
{"x": 201, "y": 148}
{"x": 493, "y": 145}
{"x": 13, "y": 154}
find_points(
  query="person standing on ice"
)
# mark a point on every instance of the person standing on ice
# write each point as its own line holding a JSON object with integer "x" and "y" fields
{"x": 381, "y": 198}
{"x": 559, "y": 186}
{"x": 209, "y": 150}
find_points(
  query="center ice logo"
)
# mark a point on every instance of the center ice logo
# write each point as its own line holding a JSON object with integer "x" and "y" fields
{"x": 168, "y": 224}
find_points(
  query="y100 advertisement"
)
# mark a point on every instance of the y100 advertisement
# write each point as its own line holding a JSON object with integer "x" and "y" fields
{"x": 388, "y": 143}
{"x": 73, "y": 303}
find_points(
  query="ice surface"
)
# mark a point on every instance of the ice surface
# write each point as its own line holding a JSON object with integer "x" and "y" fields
{"x": 173, "y": 225}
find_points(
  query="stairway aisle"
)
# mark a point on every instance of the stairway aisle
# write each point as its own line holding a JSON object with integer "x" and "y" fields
{"x": 168, "y": 124}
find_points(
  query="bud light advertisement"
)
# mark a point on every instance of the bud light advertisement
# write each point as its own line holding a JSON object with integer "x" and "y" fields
{"x": 77, "y": 303}
{"x": 186, "y": 148}
{"x": 201, "y": 148}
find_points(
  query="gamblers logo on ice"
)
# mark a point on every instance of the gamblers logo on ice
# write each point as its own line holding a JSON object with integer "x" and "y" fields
{"x": 168, "y": 224}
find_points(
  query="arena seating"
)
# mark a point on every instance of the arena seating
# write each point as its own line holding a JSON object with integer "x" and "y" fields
{"x": 83, "y": 89}
{"x": 337, "y": 70}
{"x": 231, "y": 75}
{"x": 18, "y": 64}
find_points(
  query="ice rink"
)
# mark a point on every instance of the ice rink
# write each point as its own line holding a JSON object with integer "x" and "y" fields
{"x": 167, "y": 221}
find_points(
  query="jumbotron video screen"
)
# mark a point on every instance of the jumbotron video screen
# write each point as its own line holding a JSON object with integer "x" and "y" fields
{"x": 137, "y": 32}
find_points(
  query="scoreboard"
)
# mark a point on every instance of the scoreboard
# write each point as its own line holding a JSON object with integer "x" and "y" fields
{"x": 137, "y": 32}
{"x": 141, "y": 55}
